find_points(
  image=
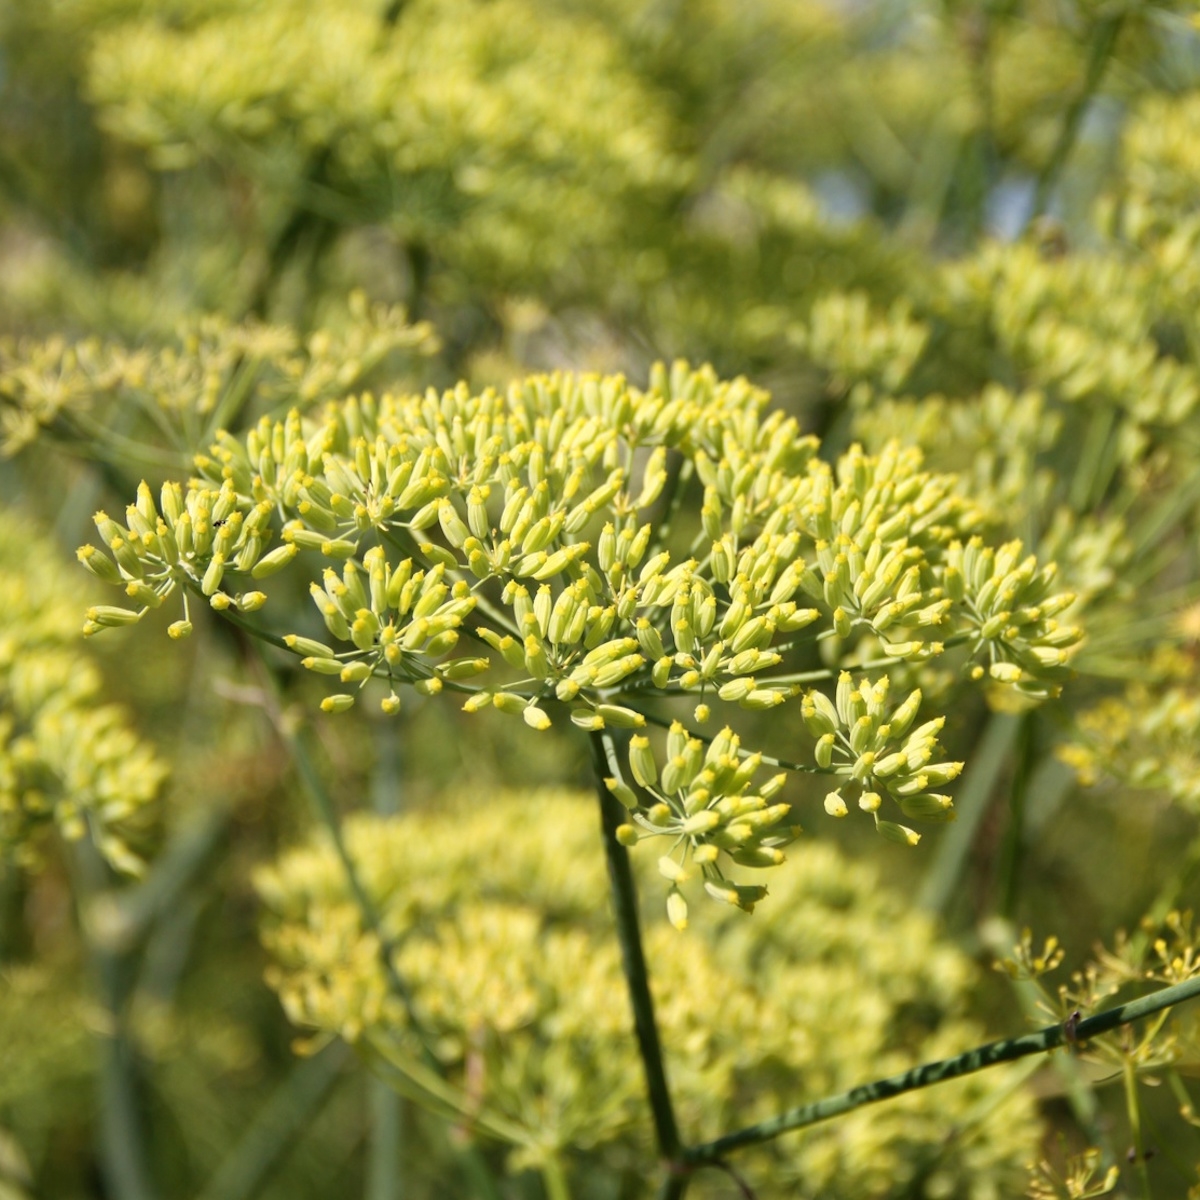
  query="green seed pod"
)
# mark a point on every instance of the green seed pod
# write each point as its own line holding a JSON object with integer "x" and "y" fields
{"x": 649, "y": 639}
{"x": 542, "y": 607}
{"x": 584, "y": 719}
{"x": 897, "y": 833}
{"x": 213, "y": 574}
{"x": 841, "y": 623}
{"x": 668, "y": 868}
{"x": 677, "y": 910}
{"x": 454, "y": 528}
{"x": 628, "y": 835}
{"x": 561, "y": 616}
{"x": 620, "y": 717}
{"x": 612, "y": 673}
{"x": 641, "y": 762}
{"x": 759, "y": 856}
{"x": 274, "y": 561}
{"x": 623, "y": 792}
{"x": 736, "y": 689}
{"x": 677, "y": 739}
{"x": 322, "y": 666}
{"x": 861, "y": 733}
{"x": 437, "y": 555}
{"x": 1005, "y": 672}
{"x": 303, "y": 645}
{"x": 927, "y": 806}
{"x": 536, "y": 718}
{"x": 902, "y": 718}
{"x": 674, "y": 774}
{"x": 508, "y": 702}
{"x": 702, "y": 822}
{"x": 753, "y": 634}
{"x": 99, "y": 564}
{"x": 835, "y": 806}
{"x": 442, "y": 643}
{"x": 477, "y": 516}
{"x": 661, "y": 673}
{"x": 464, "y": 668}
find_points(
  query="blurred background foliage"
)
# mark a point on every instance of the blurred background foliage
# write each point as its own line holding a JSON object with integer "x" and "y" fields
{"x": 971, "y": 225}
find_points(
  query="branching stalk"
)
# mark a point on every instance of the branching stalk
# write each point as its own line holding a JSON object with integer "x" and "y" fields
{"x": 928, "y": 1074}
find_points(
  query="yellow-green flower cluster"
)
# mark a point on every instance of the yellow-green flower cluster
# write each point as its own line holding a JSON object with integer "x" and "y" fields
{"x": 862, "y": 738}
{"x": 703, "y": 803}
{"x": 513, "y": 130}
{"x": 208, "y": 375}
{"x": 538, "y": 523}
{"x": 65, "y": 758}
{"x": 1149, "y": 738}
{"x": 513, "y": 978}
{"x": 1012, "y": 608}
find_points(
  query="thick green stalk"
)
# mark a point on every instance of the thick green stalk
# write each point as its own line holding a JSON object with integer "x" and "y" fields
{"x": 633, "y": 961}
{"x": 987, "y": 761}
{"x": 927, "y": 1074}
{"x": 385, "y": 1147}
{"x": 554, "y": 1180}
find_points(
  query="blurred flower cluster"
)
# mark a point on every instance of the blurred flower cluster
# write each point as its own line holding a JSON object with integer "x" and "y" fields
{"x": 66, "y": 758}
{"x": 515, "y": 982}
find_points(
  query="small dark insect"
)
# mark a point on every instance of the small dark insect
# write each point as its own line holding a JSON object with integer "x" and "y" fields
{"x": 218, "y": 523}
{"x": 1071, "y": 1028}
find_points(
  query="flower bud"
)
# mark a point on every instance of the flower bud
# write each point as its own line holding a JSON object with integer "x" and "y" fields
{"x": 623, "y": 792}
{"x": 835, "y": 806}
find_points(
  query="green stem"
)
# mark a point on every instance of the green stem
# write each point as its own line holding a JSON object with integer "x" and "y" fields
{"x": 326, "y": 812}
{"x": 1133, "y": 1107}
{"x": 1010, "y": 861}
{"x": 554, "y": 1179}
{"x": 124, "y": 1148}
{"x": 385, "y": 1148}
{"x": 278, "y": 1126}
{"x": 633, "y": 959}
{"x": 928, "y": 1074}
{"x": 1088, "y": 469}
{"x": 987, "y": 761}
